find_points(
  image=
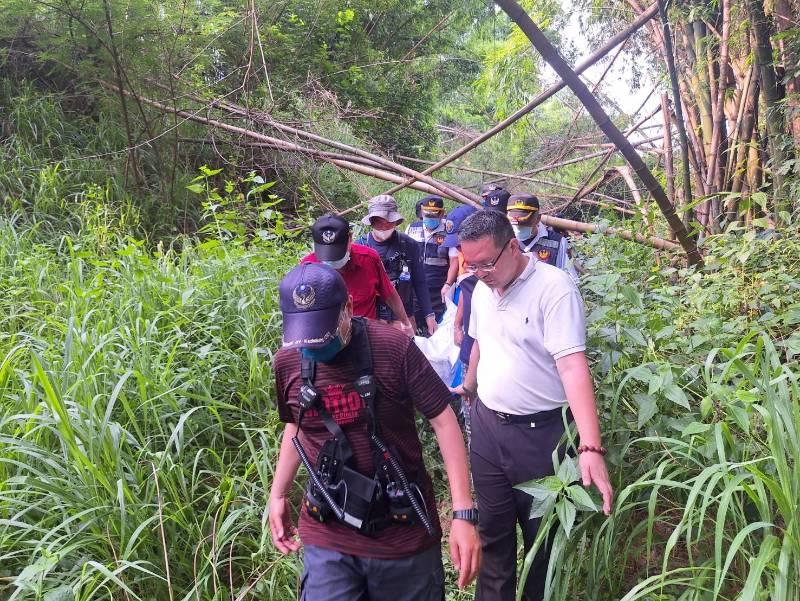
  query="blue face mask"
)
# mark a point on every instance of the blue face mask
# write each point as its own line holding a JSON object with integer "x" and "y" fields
{"x": 522, "y": 232}
{"x": 325, "y": 353}
{"x": 431, "y": 222}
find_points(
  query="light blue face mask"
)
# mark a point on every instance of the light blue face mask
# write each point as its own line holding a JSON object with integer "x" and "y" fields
{"x": 431, "y": 222}
{"x": 522, "y": 232}
{"x": 340, "y": 263}
{"x": 325, "y": 353}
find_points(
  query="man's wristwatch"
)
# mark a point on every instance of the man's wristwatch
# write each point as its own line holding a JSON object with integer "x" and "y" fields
{"x": 470, "y": 515}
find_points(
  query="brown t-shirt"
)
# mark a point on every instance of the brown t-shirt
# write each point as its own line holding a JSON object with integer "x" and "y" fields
{"x": 406, "y": 382}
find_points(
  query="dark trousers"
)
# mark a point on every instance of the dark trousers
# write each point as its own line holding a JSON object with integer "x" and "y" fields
{"x": 503, "y": 454}
{"x": 332, "y": 576}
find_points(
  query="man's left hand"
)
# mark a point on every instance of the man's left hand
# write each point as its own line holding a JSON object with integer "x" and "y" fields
{"x": 593, "y": 471}
{"x": 465, "y": 551}
{"x": 431, "y": 323}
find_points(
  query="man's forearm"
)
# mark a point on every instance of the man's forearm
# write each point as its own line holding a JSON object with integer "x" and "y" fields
{"x": 577, "y": 381}
{"x": 471, "y": 379}
{"x": 288, "y": 463}
{"x": 454, "y": 454}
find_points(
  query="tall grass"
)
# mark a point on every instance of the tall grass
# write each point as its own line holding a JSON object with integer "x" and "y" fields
{"x": 698, "y": 388}
{"x": 136, "y": 428}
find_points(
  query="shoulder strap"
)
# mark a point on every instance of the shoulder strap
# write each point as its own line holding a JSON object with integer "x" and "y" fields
{"x": 365, "y": 384}
{"x": 311, "y": 399}
{"x": 403, "y": 244}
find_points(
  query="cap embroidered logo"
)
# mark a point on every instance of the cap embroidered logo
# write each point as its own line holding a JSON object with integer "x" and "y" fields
{"x": 328, "y": 236}
{"x": 304, "y": 296}
{"x": 494, "y": 200}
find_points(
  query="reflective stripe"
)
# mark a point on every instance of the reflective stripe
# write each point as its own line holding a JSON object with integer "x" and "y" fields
{"x": 437, "y": 261}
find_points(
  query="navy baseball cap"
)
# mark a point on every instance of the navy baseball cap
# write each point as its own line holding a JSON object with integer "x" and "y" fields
{"x": 311, "y": 299}
{"x": 331, "y": 235}
{"x": 432, "y": 205}
{"x": 496, "y": 199}
{"x": 453, "y": 222}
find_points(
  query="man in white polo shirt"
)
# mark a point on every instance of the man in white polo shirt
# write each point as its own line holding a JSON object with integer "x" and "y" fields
{"x": 527, "y": 362}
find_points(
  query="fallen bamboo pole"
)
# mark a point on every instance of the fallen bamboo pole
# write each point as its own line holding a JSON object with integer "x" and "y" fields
{"x": 544, "y": 96}
{"x": 568, "y": 75}
{"x": 591, "y": 228}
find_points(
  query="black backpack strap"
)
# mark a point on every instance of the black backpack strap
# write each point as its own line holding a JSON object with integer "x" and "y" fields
{"x": 309, "y": 398}
{"x": 365, "y": 385}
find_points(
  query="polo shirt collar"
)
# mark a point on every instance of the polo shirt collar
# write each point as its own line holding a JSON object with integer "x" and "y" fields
{"x": 529, "y": 270}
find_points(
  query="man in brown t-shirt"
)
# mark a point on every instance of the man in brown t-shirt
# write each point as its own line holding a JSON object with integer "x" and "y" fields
{"x": 399, "y": 562}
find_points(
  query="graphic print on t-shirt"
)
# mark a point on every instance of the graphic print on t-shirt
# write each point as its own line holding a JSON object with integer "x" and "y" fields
{"x": 342, "y": 402}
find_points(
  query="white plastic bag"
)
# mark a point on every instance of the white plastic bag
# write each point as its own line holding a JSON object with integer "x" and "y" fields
{"x": 439, "y": 348}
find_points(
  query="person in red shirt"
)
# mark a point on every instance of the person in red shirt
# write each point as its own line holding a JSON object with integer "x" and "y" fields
{"x": 360, "y": 267}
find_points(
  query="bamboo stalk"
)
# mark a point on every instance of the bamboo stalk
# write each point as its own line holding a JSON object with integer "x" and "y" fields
{"x": 551, "y": 55}
{"x": 541, "y": 98}
{"x": 669, "y": 172}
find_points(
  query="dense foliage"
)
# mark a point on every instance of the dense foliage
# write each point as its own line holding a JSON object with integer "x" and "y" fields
{"x": 138, "y": 298}
{"x": 138, "y": 434}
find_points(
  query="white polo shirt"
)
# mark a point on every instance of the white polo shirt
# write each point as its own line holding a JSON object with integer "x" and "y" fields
{"x": 539, "y": 319}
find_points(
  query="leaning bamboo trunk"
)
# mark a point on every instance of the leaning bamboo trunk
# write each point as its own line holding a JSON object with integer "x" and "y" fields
{"x": 554, "y": 59}
{"x": 774, "y": 113}
{"x": 541, "y": 98}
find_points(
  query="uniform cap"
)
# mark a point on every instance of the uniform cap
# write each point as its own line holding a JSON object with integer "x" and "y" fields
{"x": 311, "y": 298}
{"x": 331, "y": 235}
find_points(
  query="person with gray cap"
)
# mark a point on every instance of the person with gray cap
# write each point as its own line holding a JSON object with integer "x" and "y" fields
{"x": 401, "y": 258}
{"x": 354, "y": 385}
{"x": 361, "y": 268}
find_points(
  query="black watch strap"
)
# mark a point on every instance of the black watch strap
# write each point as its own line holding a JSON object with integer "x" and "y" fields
{"x": 470, "y": 515}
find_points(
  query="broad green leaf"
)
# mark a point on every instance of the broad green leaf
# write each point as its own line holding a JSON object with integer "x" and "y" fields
{"x": 566, "y": 515}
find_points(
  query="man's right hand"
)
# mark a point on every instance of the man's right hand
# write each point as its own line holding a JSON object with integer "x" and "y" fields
{"x": 458, "y": 335}
{"x": 465, "y": 551}
{"x": 283, "y": 531}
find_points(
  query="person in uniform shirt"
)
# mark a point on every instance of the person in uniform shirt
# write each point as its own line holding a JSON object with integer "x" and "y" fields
{"x": 528, "y": 364}
{"x": 324, "y": 347}
{"x": 494, "y": 196}
{"x": 429, "y": 234}
{"x": 401, "y": 259}
{"x": 360, "y": 266}
{"x": 544, "y": 243}
{"x": 466, "y": 284}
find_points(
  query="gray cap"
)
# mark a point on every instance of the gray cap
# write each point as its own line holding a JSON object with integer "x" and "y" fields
{"x": 384, "y": 206}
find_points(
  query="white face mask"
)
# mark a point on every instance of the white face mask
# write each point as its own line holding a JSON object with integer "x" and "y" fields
{"x": 522, "y": 232}
{"x": 340, "y": 263}
{"x": 382, "y": 235}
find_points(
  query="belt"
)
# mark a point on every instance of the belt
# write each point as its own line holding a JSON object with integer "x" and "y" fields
{"x": 530, "y": 419}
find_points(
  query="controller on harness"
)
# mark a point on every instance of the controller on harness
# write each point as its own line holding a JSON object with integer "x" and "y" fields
{"x": 336, "y": 490}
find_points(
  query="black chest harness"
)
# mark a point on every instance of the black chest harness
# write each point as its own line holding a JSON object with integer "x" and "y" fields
{"x": 335, "y": 488}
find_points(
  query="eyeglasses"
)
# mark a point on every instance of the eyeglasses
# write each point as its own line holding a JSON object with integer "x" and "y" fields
{"x": 487, "y": 267}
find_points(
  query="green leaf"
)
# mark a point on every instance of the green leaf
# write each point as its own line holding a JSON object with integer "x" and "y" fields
{"x": 566, "y": 515}
{"x": 196, "y": 188}
{"x": 630, "y": 294}
{"x": 695, "y": 428}
{"x": 581, "y": 498}
{"x": 540, "y": 507}
{"x": 567, "y": 471}
{"x": 648, "y": 407}
{"x": 62, "y": 593}
{"x": 675, "y": 394}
